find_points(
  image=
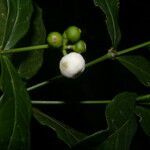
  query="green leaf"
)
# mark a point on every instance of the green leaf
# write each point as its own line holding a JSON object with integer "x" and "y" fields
{"x": 34, "y": 59}
{"x": 121, "y": 122}
{"x": 14, "y": 21}
{"x": 15, "y": 110}
{"x": 144, "y": 114}
{"x": 120, "y": 110}
{"x": 90, "y": 142}
{"x": 121, "y": 126}
{"x": 122, "y": 137}
{"x": 65, "y": 133}
{"x": 139, "y": 66}
{"x": 111, "y": 9}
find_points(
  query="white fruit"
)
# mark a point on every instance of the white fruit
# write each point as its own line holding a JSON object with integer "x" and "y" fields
{"x": 72, "y": 65}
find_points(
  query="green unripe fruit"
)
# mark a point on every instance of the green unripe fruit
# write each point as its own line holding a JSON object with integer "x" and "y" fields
{"x": 80, "y": 47}
{"x": 73, "y": 34}
{"x": 64, "y": 35}
{"x": 55, "y": 39}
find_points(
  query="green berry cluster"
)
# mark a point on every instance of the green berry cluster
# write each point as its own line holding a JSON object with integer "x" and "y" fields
{"x": 69, "y": 40}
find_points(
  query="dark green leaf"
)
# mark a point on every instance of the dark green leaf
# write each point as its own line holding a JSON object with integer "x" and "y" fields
{"x": 120, "y": 110}
{"x": 65, "y": 133}
{"x": 139, "y": 66}
{"x": 34, "y": 59}
{"x": 90, "y": 142}
{"x": 121, "y": 122}
{"x": 111, "y": 9}
{"x": 14, "y": 21}
{"x": 121, "y": 126}
{"x": 15, "y": 110}
{"x": 144, "y": 114}
{"x": 121, "y": 138}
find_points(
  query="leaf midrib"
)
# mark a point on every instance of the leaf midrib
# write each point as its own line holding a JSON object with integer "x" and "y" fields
{"x": 112, "y": 18}
{"x": 15, "y": 22}
{"x": 15, "y": 105}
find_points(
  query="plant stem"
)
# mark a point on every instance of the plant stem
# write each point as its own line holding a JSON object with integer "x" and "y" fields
{"x": 43, "y": 83}
{"x": 64, "y": 52}
{"x": 91, "y": 63}
{"x": 109, "y": 55}
{"x": 144, "y": 97}
{"x": 63, "y": 102}
{"x": 47, "y": 102}
{"x": 24, "y": 49}
{"x": 43, "y": 102}
{"x": 133, "y": 48}
{"x": 45, "y": 46}
{"x": 100, "y": 59}
{"x": 96, "y": 102}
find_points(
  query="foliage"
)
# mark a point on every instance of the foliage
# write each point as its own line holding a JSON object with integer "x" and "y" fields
{"x": 26, "y": 70}
{"x": 14, "y": 21}
{"x": 139, "y": 66}
{"x": 66, "y": 134}
{"x": 121, "y": 125}
{"x": 15, "y": 110}
{"x": 21, "y": 23}
{"x": 111, "y": 8}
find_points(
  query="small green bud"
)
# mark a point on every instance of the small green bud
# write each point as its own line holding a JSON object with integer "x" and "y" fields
{"x": 80, "y": 47}
{"x": 55, "y": 39}
{"x": 73, "y": 34}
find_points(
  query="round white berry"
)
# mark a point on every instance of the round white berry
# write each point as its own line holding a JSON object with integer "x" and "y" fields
{"x": 72, "y": 65}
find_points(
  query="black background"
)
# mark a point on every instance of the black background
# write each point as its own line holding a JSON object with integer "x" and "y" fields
{"x": 102, "y": 81}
